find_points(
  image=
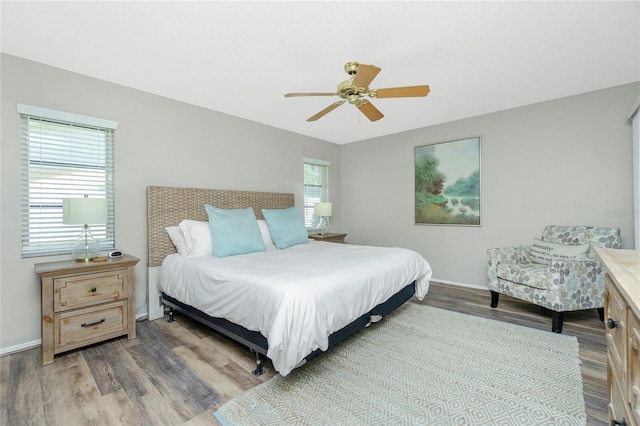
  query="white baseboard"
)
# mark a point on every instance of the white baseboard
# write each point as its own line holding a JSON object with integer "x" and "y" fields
{"x": 142, "y": 316}
{"x": 21, "y": 347}
{"x": 477, "y": 286}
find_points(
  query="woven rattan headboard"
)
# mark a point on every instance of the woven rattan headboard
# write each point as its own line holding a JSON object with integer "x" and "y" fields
{"x": 167, "y": 206}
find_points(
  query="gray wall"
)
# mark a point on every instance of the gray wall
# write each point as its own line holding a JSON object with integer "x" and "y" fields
{"x": 158, "y": 142}
{"x": 567, "y": 161}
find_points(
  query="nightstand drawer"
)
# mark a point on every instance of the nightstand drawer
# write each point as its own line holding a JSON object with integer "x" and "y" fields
{"x": 77, "y": 291}
{"x": 85, "y": 326}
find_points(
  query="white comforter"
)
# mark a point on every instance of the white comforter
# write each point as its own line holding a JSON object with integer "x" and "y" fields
{"x": 295, "y": 297}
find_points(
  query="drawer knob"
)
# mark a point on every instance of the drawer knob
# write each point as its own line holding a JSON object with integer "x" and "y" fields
{"x": 93, "y": 289}
{"x": 611, "y": 323}
{"x": 89, "y": 324}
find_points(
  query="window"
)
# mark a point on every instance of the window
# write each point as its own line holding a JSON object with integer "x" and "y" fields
{"x": 63, "y": 156}
{"x": 316, "y": 188}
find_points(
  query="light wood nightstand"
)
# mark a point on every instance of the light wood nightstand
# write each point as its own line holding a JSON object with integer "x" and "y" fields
{"x": 85, "y": 303}
{"x": 329, "y": 237}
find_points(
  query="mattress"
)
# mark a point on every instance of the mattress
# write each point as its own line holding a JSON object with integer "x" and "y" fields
{"x": 295, "y": 297}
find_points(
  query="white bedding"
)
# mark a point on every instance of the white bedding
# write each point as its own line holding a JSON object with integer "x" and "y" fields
{"x": 295, "y": 297}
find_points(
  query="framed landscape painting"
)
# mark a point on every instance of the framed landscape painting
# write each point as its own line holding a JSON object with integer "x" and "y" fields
{"x": 447, "y": 183}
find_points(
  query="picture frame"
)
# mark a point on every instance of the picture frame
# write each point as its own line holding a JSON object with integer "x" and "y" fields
{"x": 447, "y": 183}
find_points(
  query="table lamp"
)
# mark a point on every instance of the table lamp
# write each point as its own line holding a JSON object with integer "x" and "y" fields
{"x": 324, "y": 211}
{"x": 84, "y": 211}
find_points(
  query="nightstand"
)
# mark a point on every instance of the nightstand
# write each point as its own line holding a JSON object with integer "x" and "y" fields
{"x": 329, "y": 237}
{"x": 85, "y": 303}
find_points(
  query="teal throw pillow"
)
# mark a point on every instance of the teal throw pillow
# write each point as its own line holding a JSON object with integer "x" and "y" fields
{"x": 234, "y": 231}
{"x": 286, "y": 227}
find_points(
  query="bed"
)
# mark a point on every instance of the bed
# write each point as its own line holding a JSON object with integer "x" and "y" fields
{"x": 288, "y": 304}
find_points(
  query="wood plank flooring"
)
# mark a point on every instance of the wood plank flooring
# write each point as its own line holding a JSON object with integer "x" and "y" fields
{"x": 180, "y": 373}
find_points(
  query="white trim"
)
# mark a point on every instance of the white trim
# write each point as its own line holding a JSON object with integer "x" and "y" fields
{"x": 317, "y": 162}
{"x": 69, "y": 117}
{"x": 635, "y": 211}
{"x": 21, "y": 347}
{"x": 142, "y": 316}
{"x": 459, "y": 284}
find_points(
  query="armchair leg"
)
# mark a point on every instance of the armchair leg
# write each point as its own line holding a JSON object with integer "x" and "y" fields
{"x": 601, "y": 314}
{"x": 494, "y": 298}
{"x": 556, "y": 321}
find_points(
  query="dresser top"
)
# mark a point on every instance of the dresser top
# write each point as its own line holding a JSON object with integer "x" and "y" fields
{"x": 624, "y": 268}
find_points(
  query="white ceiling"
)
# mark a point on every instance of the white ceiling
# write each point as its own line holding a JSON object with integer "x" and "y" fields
{"x": 241, "y": 57}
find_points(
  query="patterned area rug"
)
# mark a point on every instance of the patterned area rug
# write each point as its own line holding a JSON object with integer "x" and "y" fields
{"x": 423, "y": 365}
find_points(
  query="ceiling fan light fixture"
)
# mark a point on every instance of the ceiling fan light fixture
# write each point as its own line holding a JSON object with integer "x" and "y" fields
{"x": 351, "y": 68}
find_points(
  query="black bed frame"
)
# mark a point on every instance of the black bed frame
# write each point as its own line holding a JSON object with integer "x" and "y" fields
{"x": 258, "y": 344}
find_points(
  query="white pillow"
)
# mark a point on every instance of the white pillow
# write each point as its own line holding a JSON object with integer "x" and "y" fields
{"x": 264, "y": 230}
{"x": 544, "y": 251}
{"x": 197, "y": 235}
{"x": 178, "y": 240}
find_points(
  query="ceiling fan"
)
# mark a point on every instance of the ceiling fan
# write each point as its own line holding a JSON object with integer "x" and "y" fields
{"x": 356, "y": 88}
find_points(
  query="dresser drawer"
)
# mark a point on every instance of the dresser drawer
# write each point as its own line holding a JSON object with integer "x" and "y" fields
{"x": 85, "y": 326}
{"x": 617, "y": 336}
{"x": 617, "y": 409}
{"x": 634, "y": 366}
{"x": 77, "y": 291}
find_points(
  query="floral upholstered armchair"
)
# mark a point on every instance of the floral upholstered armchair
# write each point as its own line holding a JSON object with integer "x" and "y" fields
{"x": 559, "y": 271}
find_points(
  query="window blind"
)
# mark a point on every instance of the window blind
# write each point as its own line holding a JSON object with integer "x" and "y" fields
{"x": 316, "y": 188}
{"x": 63, "y": 156}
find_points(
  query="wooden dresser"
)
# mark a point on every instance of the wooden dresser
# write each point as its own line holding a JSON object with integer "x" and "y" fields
{"x": 622, "y": 317}
{"x": 85, "y": 303}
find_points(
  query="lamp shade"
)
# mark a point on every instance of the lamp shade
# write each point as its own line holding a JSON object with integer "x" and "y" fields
{"x": 84, "y": 211}
{"x": 322, "y": 209}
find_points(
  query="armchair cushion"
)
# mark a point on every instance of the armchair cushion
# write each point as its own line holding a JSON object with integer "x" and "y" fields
{"x": 529, "y": 274}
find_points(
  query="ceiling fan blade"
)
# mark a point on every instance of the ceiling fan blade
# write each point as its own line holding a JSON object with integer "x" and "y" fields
{"x": 369, "y": 110}
{"x": 400, "y": 92}
{"x": 365, "y": 75}
{"x": 291, "y": 95}
{"x": 326, "y": 111}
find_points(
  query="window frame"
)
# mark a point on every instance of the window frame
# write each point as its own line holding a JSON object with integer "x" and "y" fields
{"x": 71, "y": 155}
{"x": 321, "y": 189}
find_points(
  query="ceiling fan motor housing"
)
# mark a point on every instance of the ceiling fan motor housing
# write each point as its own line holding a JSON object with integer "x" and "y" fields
{"x": 345, "y": 89}
{"x": 351, "y": 93}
